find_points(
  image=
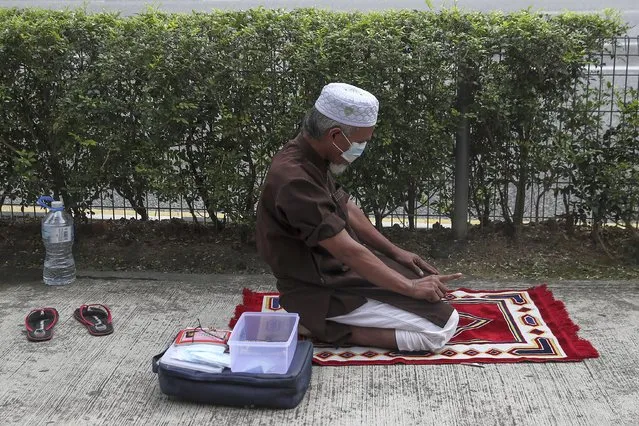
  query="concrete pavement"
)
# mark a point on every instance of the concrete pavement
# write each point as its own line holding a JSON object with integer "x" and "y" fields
{"x": 77, "y": 379}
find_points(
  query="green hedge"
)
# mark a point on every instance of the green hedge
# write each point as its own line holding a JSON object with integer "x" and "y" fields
{"x": 193, "y": 106}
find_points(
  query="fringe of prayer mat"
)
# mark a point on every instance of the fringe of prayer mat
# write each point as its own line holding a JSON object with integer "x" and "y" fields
{"x": 527, "y": 326}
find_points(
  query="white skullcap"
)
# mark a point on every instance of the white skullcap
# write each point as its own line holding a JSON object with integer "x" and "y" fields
{"x": 348, "y": 105}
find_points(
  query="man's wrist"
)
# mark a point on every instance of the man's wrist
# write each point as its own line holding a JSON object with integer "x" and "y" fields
{"x": 407, "y": 287}
{"x": 394, "y": 252}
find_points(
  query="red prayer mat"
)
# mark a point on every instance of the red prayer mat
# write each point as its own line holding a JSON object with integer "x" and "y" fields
{"x": 494, "y": 327}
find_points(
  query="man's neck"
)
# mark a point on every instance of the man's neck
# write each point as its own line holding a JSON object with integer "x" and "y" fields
{"x": 313, "y": 143}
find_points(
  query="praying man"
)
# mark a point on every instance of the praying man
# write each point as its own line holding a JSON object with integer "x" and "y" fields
{"x": 348, "y": 283}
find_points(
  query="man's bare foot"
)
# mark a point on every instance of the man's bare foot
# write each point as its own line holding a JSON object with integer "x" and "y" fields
{"x": 303, "y": 331}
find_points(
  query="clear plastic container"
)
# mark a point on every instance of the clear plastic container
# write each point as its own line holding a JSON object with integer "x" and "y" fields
{"x": 263, "y": 342}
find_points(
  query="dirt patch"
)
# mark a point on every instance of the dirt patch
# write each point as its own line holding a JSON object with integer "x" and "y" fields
{"x": 540, "y": 251}
{"x": 167, "y": 246}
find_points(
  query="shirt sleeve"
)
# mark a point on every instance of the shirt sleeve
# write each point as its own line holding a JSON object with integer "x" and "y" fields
{"x": 341, "y": 196}
{"x": 310, "y": 209}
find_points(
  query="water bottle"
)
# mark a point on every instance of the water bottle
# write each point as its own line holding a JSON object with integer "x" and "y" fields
{"x": 57, "y": 235}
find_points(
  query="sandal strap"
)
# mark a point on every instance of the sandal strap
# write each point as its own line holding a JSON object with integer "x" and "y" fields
{"x": 47, "y": 327}
{"x": 104, "y": 307}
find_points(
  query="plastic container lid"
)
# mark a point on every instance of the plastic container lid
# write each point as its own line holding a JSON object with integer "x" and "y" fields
{"x": 57, "y": 204}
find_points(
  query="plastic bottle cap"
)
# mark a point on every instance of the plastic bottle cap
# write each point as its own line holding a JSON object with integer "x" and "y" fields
{"x": 57, "y": 204}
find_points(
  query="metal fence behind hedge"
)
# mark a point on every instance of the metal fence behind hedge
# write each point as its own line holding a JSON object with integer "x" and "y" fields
{"x": 619, "y": 70}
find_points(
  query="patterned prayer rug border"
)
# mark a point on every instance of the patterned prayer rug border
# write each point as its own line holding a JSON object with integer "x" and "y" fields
{"x": 541, "y": 332}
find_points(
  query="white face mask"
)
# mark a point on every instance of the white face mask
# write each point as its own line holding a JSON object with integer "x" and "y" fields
{"x": 337, "y": 169}
{"x": 353, "y": 152}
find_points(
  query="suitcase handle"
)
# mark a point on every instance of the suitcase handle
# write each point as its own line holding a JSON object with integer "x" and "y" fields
{"x": 154, "y": 362}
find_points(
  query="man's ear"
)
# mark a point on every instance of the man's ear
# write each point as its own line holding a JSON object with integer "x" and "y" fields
{"x": 333, "y": 133}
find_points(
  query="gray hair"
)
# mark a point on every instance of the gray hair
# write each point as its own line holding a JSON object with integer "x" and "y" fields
{"x": 316, "y": 124}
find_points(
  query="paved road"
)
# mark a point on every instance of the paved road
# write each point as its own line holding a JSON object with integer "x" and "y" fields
{"x": 629, "y": 8}
{"x": 77, "y": 379}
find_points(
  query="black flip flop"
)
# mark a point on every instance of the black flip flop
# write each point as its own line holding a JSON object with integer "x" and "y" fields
{"x": 39, "y": 324}
{"x": 96, "y": 318}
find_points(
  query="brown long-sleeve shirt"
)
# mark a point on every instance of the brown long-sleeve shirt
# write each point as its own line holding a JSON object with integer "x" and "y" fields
{"x": 300, "y": 206}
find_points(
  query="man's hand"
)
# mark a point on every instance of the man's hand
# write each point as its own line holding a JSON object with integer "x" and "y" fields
{"x": 414, "y": 263}
{"x": 432, "y": 288}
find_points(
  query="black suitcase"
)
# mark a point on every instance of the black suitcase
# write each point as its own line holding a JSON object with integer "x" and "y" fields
{"x": 240, "y": 389}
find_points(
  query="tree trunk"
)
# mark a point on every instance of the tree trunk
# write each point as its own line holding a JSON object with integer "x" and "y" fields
{"x": 212, "y": 214}
{"x": 482, "y": 201}
{"x": 249, "y": 206}
{"x": 135, "y": 198}
{"x": 138, "y": 204}
{"x": 60, "y": 190}
{"x": 627, "y": 223}
{"x": 595, "y": 234}
{"x": 378, "y": 219}
{"x": 538, "y": 201}
{"x": 201, "y": 190}
{"x": 503, "y": 202}
{"x": 520, "y": 197}
{"x": 245, "y": 232}
{"x": 139, "y": 208}
{"x": 485, "y": 219}
{"x": 511, "y": 228}
{"x": 189, "y": 203}
{"x": 4, "y": 195}
{"x": 411, "y": 206}
{"x": 482, "y": 205}
{"x": 570, "y": 217}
